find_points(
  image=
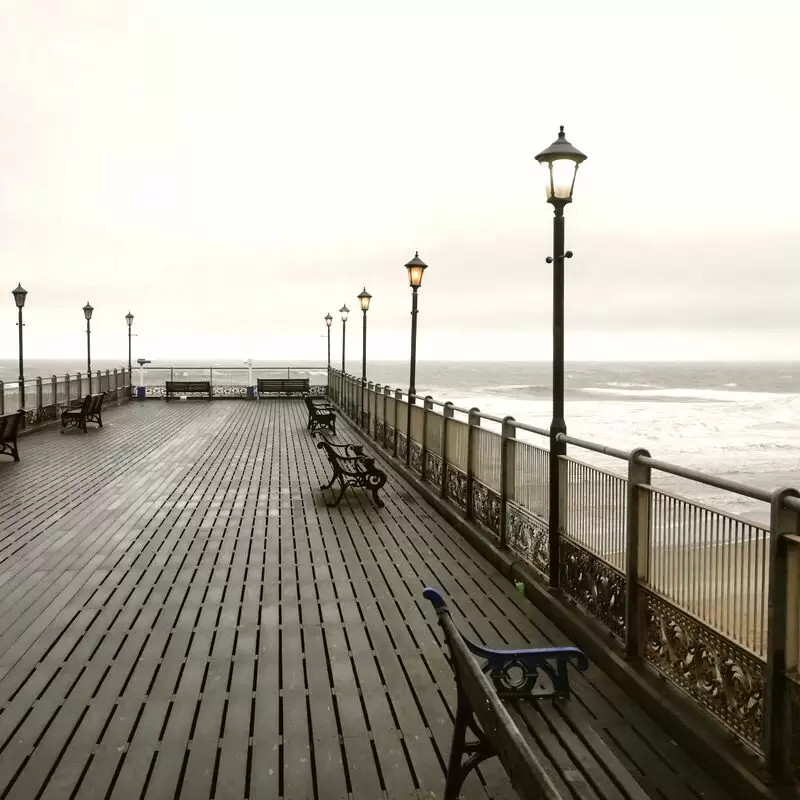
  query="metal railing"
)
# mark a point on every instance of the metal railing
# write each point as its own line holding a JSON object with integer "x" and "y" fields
{"x": 225, "y": 381}
{"x": 710, "y": 600}
{"x": 45, "y": 398}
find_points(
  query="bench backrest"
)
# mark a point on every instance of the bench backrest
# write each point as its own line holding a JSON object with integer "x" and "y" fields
{"x": 523, "y": 768}
{"x": 9, "y": 426}
{"x": 283, "y": 384}
{"x": 96, "y": 402}
{"x": 188, "y": 386}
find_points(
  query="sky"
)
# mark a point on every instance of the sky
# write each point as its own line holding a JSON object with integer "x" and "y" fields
{"x": 231, "y": 171}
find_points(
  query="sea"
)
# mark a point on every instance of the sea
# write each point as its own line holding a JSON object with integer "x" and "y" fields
{"x": 739, "y": 420}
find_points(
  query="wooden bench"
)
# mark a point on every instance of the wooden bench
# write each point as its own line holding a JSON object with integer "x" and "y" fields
{"x": 10, "y": 425}
{"x": 352, "y": 468}
{"x": 512, "y": 705}
{"x": 88, "y": 411}
{"x": 283, "y": 386}
{"x": 320, "y": 415}
{"x": 182, "y": 388}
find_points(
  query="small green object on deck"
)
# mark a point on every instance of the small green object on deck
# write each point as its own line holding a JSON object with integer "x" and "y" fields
{"x": 520, "y": 587}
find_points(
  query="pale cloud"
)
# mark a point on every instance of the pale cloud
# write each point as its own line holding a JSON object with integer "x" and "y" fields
{"x": 231, "y": 172}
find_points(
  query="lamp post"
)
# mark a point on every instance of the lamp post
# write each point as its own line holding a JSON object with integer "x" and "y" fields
{"x": 344, "y": 311}
{"x": 415, "y": 269}
{"x": 19, "y": 298}
{"x": 561, "y": 162}
{"x": 364, "y": 299}
{"x": 129, "y": 320}
{"x": 328, "y": 320}
{"x": 87, "y": 312}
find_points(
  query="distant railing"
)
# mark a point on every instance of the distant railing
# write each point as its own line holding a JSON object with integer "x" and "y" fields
{"x": 45, "y": 398}
{"x": 710, "y": 600}
{"x": 227, "y": 382}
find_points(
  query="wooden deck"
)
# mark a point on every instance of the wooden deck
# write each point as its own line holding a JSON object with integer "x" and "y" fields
{"x": 182, "y": 617}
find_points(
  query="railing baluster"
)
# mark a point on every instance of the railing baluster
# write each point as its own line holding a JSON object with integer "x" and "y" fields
{"x": 447, "y": 413}
{"x": 427, "y": 408}
{"x": 474, "y": 421}
{"x": 508, "y": 462}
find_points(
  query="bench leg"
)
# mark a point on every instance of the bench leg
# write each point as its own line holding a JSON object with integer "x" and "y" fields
{"x": 329, "y": 483}
{"x": 475, "y": 751}
{"x": 341, "y": 495}
{"x": 378, "y": 501}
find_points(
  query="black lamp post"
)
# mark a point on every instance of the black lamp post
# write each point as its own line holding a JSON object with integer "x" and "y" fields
{"x": 129, "y": 320}
{"x": 344, "y": 311}
{"x": 415, "y": 269}
{"x": 561, "y": 161}
{"x": 19, "y": 298}
{"x": 328, "y": 320}
{"x": 364, "y": 299}
{"x": 87, "y": 312}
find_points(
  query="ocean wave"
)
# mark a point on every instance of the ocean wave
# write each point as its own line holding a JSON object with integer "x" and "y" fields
{"x": 688, "y": 394}
{"x": 522, "y": 388}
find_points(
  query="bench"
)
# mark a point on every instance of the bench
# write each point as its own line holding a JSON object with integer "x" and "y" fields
{"x": 352, "y": 468}
{"x": 283, "y": 386}
{"x": 320, "y": 415}
{"x": 88, "y": 411}
{"x": 10, "y": 425}
{"x": 511, "y": 704}
{"x": 182, "y": 388}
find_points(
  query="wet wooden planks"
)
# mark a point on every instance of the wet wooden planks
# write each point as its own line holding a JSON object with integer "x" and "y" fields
{"x": 181, "y": 616}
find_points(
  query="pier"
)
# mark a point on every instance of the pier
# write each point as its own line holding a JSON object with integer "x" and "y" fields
{"x": 182, "y": 615}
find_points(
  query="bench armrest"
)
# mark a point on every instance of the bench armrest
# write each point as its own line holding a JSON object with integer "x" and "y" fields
{"x": 515, "y": 672}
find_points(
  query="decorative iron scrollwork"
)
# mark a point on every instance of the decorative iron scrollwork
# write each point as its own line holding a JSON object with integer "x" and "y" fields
{"x": 379, "y": 434}
{"x": 415, "y": 459}
{"x": 318, "y": 389}
{"x": 594, "y": 585}
{"x": 528, "y": 536}
{"x": 229, "y": 391}
{"x": 457, "y": 486}
{"x": 433, "y": 471}
{"x": 723, "y": 678}
{"x": 401, "y": 445}
{"x": 486, "y": 507}
{"x": 389, "y": 434}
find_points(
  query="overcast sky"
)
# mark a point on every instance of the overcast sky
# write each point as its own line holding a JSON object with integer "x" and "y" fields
{"x": 230, "y": 172}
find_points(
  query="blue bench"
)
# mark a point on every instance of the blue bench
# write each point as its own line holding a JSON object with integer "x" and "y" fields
{"x": 500, "y": 702}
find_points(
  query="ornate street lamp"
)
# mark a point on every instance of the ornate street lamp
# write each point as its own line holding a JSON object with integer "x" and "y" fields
{"x": 344, "y": 311}
{"x": 416, "y": 267}
{"x": 19, "y": 298}
{"x": 560, "y": 161}
{"x": 328, "y": 320}
{"x": 129, "y": 320}
{"x": 364, "y": 299}
{"x": 87, "y": 312}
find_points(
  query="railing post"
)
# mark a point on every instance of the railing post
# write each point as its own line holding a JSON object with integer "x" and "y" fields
{"x": 54, "y": 394}
{"x": 637, "y": 550}
{"x": 473, "y": 421}
{"x": 508, "y": 465}
{"x": 447, "y": 413}
{"x": 398, "y": 398}
{"x": 782, "y": 631}
{"x": 427, "y": 408}
{"x": 378, "y": 393}
{"x": 370, "y": 412}
{"x": 39, "y": 397}
{"x": 387, "y": 391}
{"x": 2, "y": 397}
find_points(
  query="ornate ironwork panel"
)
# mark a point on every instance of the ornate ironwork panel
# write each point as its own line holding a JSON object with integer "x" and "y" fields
{"x": 433, "y": 472}
{"x": 380, "y": 434}
{"x": 726, "y": 680}
{"x": 155, "y": 391}
{"x": 594, "y": 585}
{"x": 229, "y": 391}
{"x": 415, "y": 459}
{"x": 401, "y": 445}
{"x": 528, "y": 536}
{"x": 486, "y": 507}
{"x": 318, "y": 389}
{"x": 457, "y": 486}
{"x": 33, "y": 416}
{"x": 389, "y": 434}
{"x": 49, "y": 413}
